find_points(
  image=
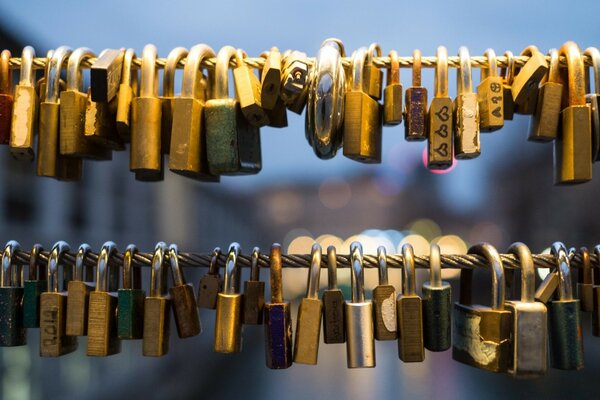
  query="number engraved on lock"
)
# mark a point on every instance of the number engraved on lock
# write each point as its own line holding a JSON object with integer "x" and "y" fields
{"x": 444, "y": 114}
{"x": 50, "y": 324}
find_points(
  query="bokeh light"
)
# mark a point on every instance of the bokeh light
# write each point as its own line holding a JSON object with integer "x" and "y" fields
{"x": 419, "y": 243}
{"x": 335, "y": 193}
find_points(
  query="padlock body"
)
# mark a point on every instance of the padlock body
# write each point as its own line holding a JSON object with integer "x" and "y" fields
{"x": 466, "y": 135}
{"x": 254, "y": 302}
{"x": 392, "y": 104}
{"x": 543, "y": 126}
{"x": 270, "y": 78}
{"x": 573, "y": 148}
{"x": 101, "y": 125}
{"x": 102, "y": 325}
{"x": 123, "y": 117}
{"x": 491, "y": 104}
{"x": 527, "y": 80}
{"x": 566, "y": 338}
{"x": 362, "y": 128}
{"x": 32, "y": 291}
{"x": 183, "y": 302}
{"x": 77, "y": 307}
{"x": 24, "y": 122}
{"x": 12, "y": 331}
{"x": 157, "y": 317}
{"x": 308, "y": 331}
{"x": 530, "y": 339}
{"x": 247, "y": 90}
{"x": 410, "y": 328}
{"x": 146, "y": 156}
{"x": 360, "y": 342}
{"x": 415, "y": 113}
{"x": 53, "y": 340}
{"x": 6, "y": 112}
{"x": 48, "y": 139}
{"x": 188, "y": 146}
{"x": 440, "y": 150}
{"x": 278, "y": 335}
{"x": 130, "y": 313}
{"x": 373, "y": 81}
{"x": 437, "y": 318}
{"x": 384, "y": 312}
{"x": 208, "y": 289}
{"x": 228, "y": 323}
{"x": 333, "y": 316}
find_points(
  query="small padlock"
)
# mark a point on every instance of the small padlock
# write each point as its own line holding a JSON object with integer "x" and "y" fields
{"x": 79, "y": 295}
{"x": 232, "y": 144}
{"x": 295, "y": 80}
{"x": 441, "y": 136}
{"x": 102, "y": 315}
{"x": 481, "y": 335}
{"x": 53, "y": 307}
{"x": 530, "y": 334}
{"x": 33, "y": 288}
{"x": 392, "y": 94}
{"x": 573, "y": 147}
{"x": 183, "y": 299}
{"x": 564, "y": 322}
{"x": 157, "y": 307}
{"x": 333, "y": 303}
{"x": 490, "y": 96}
{"x": 211, "y": 284}
{"x": 437, "y": 306}
{"x": 362, "y": 116}
{"x": 527, "y": 80}
{"x": 166, "y": 100}
{"x": 384, "y": 302}
{"x": 409, "y": 310}
{"x": 247, "y": 89}
{"x": 12, "y": 331}
{"x": 585, "y": 292}
{"x": 360, "y": 341}
{"x": 106, "y": 75}
{"x": 254, "y": 293}
{"x": 308, "y": 323}
{"x": 270, "y": 79}
{"x": 228, "y": 320}
{"x": 6, "y": 97}
{"x": 466, "y": 111}
{"x": 278, "y": 325}
{"x": 543, "y": 125}
{"x": 324, "y": 127}
{"x": 507, "y": 73}
{"x": 128, "y": 89}
{"x": 25, "y": 110}
{"x": 591, "y": 98}
{"x": 596, "y": 294}
{"x": 373, "y": 75}
{"x": 130, "y": 303}
{"x": 415, "y": 103}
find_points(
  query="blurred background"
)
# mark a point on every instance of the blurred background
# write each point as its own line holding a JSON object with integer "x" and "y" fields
{"x": 505, "y": 195}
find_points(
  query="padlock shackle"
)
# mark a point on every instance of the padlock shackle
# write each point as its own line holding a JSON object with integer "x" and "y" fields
{"x": 221, "y": 89}
{"x": 102, "y": 267}
{"x": 254, "y": 269}
{"x": 435, "y": 266}
{"x": 357, "y": 273}
{"x": 575, "y": 72}
{"x": 416, "y": 68}
{"x": 586, "y": 266}
{"x": 176, "y": 55}
{"x": 54, "y": 261}
{"x": 131, "y": 275}
{"x": 408, "y": 270}
{"x": 158, "y": 272}
{"x": 565, "y": 287}
{"x": 5, "y": 73}
{"x": 594, "y": 55}
{"x": 374, "y": 50}
{"x": 27, "y": 76}
{"x": 464, "y": 82}
{"x": 553, "y": 66}
{"x": 192, "y": 72}
{"x": 334, "y": 42}
{"x": 82, "y": 253}
{"x": 176, "y": 270}
{"x": 393, "y": 72}
{"x": 126, "y": 70}
{"x": 523, "y": 255}
{"x": 314, "y": 272}
{"x": 490, "y": 253}
{"x": 52, "y": 75}
{"x": 440, "y": 79}
{"x": 359, "y": 58}
{"x": 34, "y": 272}
{"x": 492, "y": 67}
{"x": 276, "y": 274}
{"x": 74, "y": 71}
{"x": 331, "y": 268}
{"x": 231, "y": 281}
{"x": 149, "y": 84}
{"x": 382, "y": 266}
{"x": 10, "y": 249}
{"x": 508, "y": 73}
{"x": 213, "y": 267}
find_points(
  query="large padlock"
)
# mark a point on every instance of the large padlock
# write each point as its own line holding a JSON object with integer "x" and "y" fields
{"x": 543, "y": 125}
{"x": 157, "y": 307}
{"x": 183, "y": 299}
{"x": 440, "y": 139}
{"x": 254, "y": 293}
{"x": 392, "y": 94}
{"x": 12, "y": 331}
{"x": 33, "y": 287}
{"x": 490, "y": 96}
{"x": 527, "y": 79}
{"x": 481, "y": 335}
{"x": 25, "y": 110}
{"x": 6, "y": 97}
{"x": 130, "y": 304}
{"x": 232, "y": 143}
{"x": 437, "y": 306}
{"x": 466, "y": 111}
{"x": 79, "y": 295}
{"x": 333, "y": 303}
{"x": 409, "y": 311}
{"x": 591, "y": 98}
{"x": 228, "y": 319}
{"x": 415, "y": 103}
{"x": 384, "y": 301}
{"x": 128, "y": 89}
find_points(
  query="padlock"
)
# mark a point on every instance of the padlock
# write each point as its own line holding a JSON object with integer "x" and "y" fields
{"x": 566, "y": 340}
{"x": 49, "y": 162}
{"x": 324, "y": 126}
{"x": 384, "y": 302}
{"x": 105, "y": 75}
{"x": 25, "y": 110}
{"x": 585, "y": 292}
{"x": 101, "y": 123}
{"x": 211, "y": 284}
{"x": 333, "y": 303}
{"x": 591, "y": 98}
{"x": 102, "y": 314}
{"x": 146, "y": 158}
{"x": 247, "y": 90}
{"x": 157, "y": 307}
{"x": 437, "y": 306}
{"x": 254, "y": 293}
{"x": 33, "y": 288}
{"x": 12, "y": 331}
{"x": 295, "y": 80}
{"x": 183, "y": 299}
{"x": 441, "y": 136}
{"x": 490, "y": 96}
{"x": 543, "y": 125}
{"x": 373, "y": 75}
{"x": 507, "y": 73}
{"x": 308, "y": 323}
{"x": 466, "y": 111}
{"x": 130, "y": 304}
{"x": 392, "y": 94}
{"x": 270, "y": 80}
{"x": 128, "y": 89}
{"x": 573, "y": 147}
{"x": 188, "y": 154}
{"x": 278, "y": 115}
{"x": 596, "y": 294}
{"x": 362, "y": 118}
{"x": 415, "y": 104}
{"x": 228, "y": 320}
{"x": 360, "y": 341}
{"x": 166, "y": 100}
{"x": 278, "y": 325}
{"x": 79, "y": 295}
{"x": 526, "y": 82}
{"x": 481, "y": 335}
{"x": 232, "y": 144}
{"x": 409, "y": 311}
{"x": 53, "y": 306}
{"x": 530, "y": 334}
{"x": 6, "y": 97}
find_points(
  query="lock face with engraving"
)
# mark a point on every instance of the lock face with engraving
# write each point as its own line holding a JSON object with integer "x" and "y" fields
{"x": 384, "y": 302}
{"x": 490, "y": 96}
{"x": 440, "y": 138}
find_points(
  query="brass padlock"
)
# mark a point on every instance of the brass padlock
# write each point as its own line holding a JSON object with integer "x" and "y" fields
{"x": 481, "y": 335}
{"x": 415, "y": 103}
{"x": 543, "y": 125}
{"x": 12, "y": 330}
{"x": 25, "y": 110}
{"x": 157, "y": 307}
{"x": 188, "y": 153}
{"x": 392, "y": 94}
{"x": 254, "y": 293}
{"x": 573, "y": 147}
{"x": 173, "y": 59}
{"x": 79, "y": 295}
{"x": 507, "y": 73}
{"x": 466, "y": 111}
{"x": 128, "y": 89}
{"x": 333, "y": 303}
{"x": 232, "y": 144}
{"x": 295, "y": 80}
{"x": 211, "y": 284}
{"x": 530, "y": 334}
{"x": 373, "y": 76}
{"x": 183, "y": 299}
{"x": 106, "y": 75}
{"x": 440, "y": 139}
{"x": 130, "y": 304}
{"x": 247, "y": 90}
{"x": 33, "y": 288}
{"x": 384, "y": 302}
{"x": 146, "y": 158}
{"x": 437, "y": 306}
{"x": 324, "y": 127}
{"x": 490, "y": 96}
{"x": 591, "y": 98}
{"x": 308, "y": 325}
{"x": 362, "y": 116}
{"x": 409, "y": 311}
{"x": 53, "y": 306}
{"x": 228, "y": 319}
{"x": 585, "y": 282}
{"x": 527, "y": 80}
{"x": 6, "y": 97}
{"x": 270, "y": 79}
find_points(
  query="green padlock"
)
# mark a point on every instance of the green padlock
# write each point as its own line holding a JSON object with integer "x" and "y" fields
{"x": 130, "y": 314}
{"x": 33, "y": 288}
{"x": 12, "y": 331}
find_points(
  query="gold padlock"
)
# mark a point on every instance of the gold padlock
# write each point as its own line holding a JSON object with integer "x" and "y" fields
{"x": 373, "y": 75}
{"x": 507, "y": 73}
{"x": 270, "y": 79}
{"x": 441, "y": 126}
{"x": 247, "y": 89}
{"x": 79, "y": 295}
{"x": 466, "y": 110}
{"x": 174, "y": 57}
{"x": 25, "y": 110}
{"x": 228, "y": 319}
{"x": 128, "y": 89}
{"x": 490, "y": 96}
{"x": 392, "y": 94}
{"x": 157, "y": 307}
{"x": 527, "y": 80}
{"x": 543, "y": 125}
